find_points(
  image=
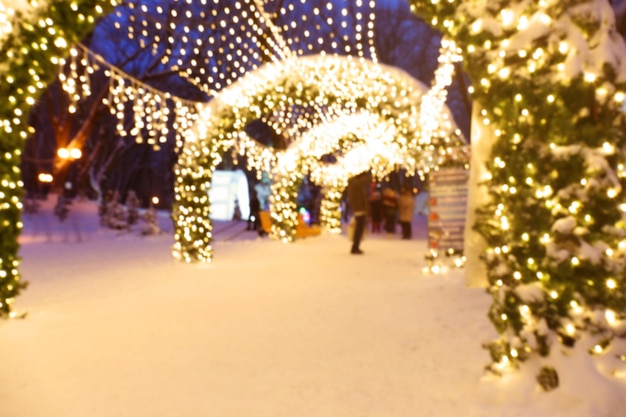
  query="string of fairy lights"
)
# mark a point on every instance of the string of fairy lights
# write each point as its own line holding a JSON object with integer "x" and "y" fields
{"x": 368, "y": 145}
{"x": 449, "y": 56}
{"x": 34, "y": 36}
{"x": 370, "y": 133}
{"x": 6, "y": 17}
{"x": 242, "y": 35}
{"x": 143, "y": 113}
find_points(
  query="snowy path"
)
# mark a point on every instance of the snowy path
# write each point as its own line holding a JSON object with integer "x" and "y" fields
{"x": 116, "y": 327}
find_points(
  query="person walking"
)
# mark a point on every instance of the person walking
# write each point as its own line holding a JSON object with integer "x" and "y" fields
{"x": 376, "y": 208}
{"x": 406, "y": 207}
{"x": 254, "y": 219}
{"x": 357, "y": 198}
{"x": 390, "y": 209}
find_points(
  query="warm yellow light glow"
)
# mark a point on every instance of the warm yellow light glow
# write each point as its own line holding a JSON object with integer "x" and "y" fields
{"x": 63, "y": 153}
{"x": 45, "y": 177}
{"x": 576, "y": 308}
{"x": 367, "y": 95}
{"x": 75, "y": 153}
{"x": 610, "y": 316}
{"x": 507, "y": 16}
{"x": 590, "y": 77}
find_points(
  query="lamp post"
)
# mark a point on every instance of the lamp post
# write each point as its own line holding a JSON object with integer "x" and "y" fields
{"x": 65, "y": 157}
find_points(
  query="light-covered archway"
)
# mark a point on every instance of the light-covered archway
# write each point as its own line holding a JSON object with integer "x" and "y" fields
{"x": 335, "y": 84}
{"x": 360, "y": 142}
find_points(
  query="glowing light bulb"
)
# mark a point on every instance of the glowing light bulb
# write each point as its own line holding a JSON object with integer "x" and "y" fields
{"x": 611, "y": 317}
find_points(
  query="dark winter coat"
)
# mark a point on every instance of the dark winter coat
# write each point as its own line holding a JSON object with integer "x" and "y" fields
{"x": 357, "y": 194}
{"x": 406, "y": 206}
{"x": 376, "y": 206}
{"x": 390, "y": 201}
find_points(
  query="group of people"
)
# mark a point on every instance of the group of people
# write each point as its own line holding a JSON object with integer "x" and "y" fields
{"x": 384, "y": 208}
{"x": 388, "y": 208}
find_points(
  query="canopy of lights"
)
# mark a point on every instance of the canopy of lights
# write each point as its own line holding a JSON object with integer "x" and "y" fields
{"x": 222, "y": 41}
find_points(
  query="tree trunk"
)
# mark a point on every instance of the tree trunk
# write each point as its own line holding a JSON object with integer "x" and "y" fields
{"x": 482, "y": 142}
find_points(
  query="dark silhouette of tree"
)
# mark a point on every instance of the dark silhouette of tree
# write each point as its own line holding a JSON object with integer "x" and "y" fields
{"x": 405, "y": 41}
{"x": 619, "y": 6}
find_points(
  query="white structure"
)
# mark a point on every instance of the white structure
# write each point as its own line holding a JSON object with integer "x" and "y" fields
{"x": 226, "y": 188}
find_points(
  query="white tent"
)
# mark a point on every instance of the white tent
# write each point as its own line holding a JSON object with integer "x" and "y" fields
{"x": 228, "y": 189}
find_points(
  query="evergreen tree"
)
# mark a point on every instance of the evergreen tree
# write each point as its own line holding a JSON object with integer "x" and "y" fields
{"x": 151, "y": 224}
{"x": 132, "y": 207}
{"x": 30, "y": 49}
{"x": 115, "y": 215}
{"x": 548, "y": 78}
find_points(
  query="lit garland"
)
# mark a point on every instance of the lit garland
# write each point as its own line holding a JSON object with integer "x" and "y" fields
{"x": 33, "y": 42}
{"x": 550, "y": 83}
{"x": 286, "y": 180}
{"x": 332, "y": 136}
{"x": 449, "y": 55}
{"x": 337, "y": 135}
{"x": 330, "y": 207}
{"x": 150, "y": 116}
{"x": 194, "y": 232}
{"x": 360, "y": 141}
{"x": 344, "y": 136}
{"x": 154, "y": 113}
{"x": 313, "y": 82}
{"x": 6, "y": 25}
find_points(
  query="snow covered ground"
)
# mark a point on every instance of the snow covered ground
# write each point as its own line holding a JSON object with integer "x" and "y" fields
{"x": 117, "y": 327}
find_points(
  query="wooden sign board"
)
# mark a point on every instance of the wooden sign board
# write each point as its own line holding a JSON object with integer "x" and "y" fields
{"x": 448, "y": 189}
